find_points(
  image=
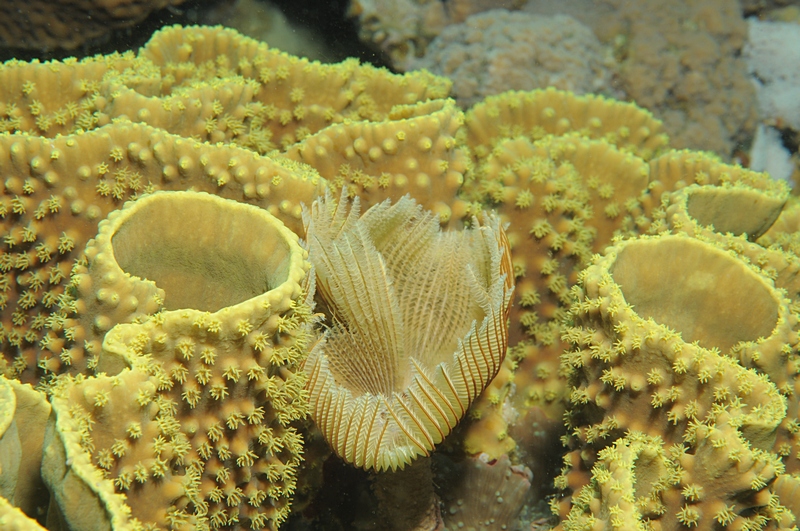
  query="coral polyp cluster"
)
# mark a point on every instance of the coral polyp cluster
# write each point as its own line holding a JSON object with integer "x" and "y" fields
{"x": 190, "y": 414}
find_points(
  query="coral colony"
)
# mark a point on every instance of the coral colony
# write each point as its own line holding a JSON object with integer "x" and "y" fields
{"x": 543, "y": 271}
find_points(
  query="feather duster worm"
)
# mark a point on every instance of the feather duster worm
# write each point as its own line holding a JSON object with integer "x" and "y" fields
{"x": 419, "y": 326}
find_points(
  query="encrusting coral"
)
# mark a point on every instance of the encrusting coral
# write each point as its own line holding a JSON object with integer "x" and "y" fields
{"x": 208, "y": 387}
{"x": 679, "y": 168}
{"x": 775, "y": 357}
{"x": 567, "y": 173}
{"x": 528, "y": 402}
{"x": 564, "y": 196}
{"x": 691, "y": 208}
{"x": 419, "y": 326}
{"x": 537, "y": 113}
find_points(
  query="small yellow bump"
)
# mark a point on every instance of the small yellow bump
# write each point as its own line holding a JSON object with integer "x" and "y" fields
{"x": 296, "y": 95}
{"x": 524, "y": 199}
{"x": 65, "y": 243}
{"x": 389, "y": 146}
{"x": 232, "y": 373}
{"x": 185, "y": 164}
{"x": 541, "y": 228}
{"x": 134, "y": 430}
{"x": 612, "y": 210}
{"x": 218, "y": 391}
{"x": 692, "y": 492}
{"x": 36, "y": 107}
{"x": 101, "y": 398}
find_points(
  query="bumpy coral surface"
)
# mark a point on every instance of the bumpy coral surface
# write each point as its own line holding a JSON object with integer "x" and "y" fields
{"x": 415, "y": 151}
{"x": 648, "y": 335}
{"x": 564, "y": 172}
{"x": 501, "y": 50}
{"x": 210, "y": 83}
{"x": 50, "y": 215}
{"x": 196, "y": 91}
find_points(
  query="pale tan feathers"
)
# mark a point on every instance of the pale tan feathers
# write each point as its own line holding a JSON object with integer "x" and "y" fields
{"x": 419, "y": 326}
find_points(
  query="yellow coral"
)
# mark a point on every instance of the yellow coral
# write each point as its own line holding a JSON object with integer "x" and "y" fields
{"x": 49, "y": 227}
{"x": 537, "y": 113}
{"x": 655, "y": 375}
{"x": 184, "y": 434}
{"x": 414, "y": 152}
{"x": 206, "y": 82}
{"x": 570, "y": 174}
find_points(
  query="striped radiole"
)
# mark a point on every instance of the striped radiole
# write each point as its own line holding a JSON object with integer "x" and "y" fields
{"x": 418, "y": 326}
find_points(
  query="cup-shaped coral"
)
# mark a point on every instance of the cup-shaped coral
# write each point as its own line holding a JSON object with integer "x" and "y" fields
{"x": 731, "y": 208}
{"x": 664, "y": 331}
{"x": 419, "y": 326}
{"x": 198, "y": 432}
{"x": 23, "y": 414}
{"x": 731, "y": 198}
{"x": 15, "y": 520}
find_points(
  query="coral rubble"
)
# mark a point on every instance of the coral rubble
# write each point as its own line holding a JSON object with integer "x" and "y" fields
{"x": 499, "y": 50}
